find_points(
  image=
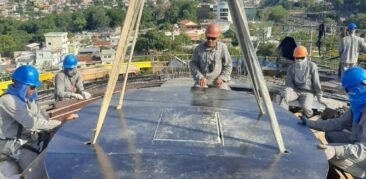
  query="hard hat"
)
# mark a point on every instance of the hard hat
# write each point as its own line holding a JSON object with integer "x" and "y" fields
{"x": 26, "y": 74}
{"x": 70, "y": 61}
{"x": 300, "y": 51}
{"x": 351, "y": 26}
{"x": 213, "y": 30}
{"x": 353, "y": 76}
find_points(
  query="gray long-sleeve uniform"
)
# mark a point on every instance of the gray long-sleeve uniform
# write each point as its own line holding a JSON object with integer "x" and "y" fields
{"x": 212, "y": 64}
{"x": 13, "y": 112}
{"x": 349, "y": 157}
{"x": 303, "y": 92}
{"x": 349, "y": 50}
{"x": 65, "y": 86}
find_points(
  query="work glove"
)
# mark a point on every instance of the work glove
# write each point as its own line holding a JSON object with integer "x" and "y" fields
{"x": 77, "y": 96}
{"x": 329, "y": 150}
{"x": 320, "y": 100}
{"x": 303, "y": 121}
{"x": 86, "y": 95}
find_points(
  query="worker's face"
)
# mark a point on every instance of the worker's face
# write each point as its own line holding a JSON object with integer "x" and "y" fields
{"x": 70, "y": 71}
{"x": 299, "y": 59}
{"x": 211, "y": 41}
{"x": 30, "y": 90}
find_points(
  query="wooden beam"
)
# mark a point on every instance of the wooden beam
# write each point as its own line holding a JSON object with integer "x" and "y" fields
{"x": 113, "y": 77}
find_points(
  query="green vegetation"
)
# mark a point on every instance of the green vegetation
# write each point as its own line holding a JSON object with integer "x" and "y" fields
{"x": 16, "y": 34}
{"x": 275, "y": 13}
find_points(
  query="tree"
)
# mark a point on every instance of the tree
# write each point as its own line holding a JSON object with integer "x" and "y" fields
{"x": 116, "y": 16}
{"x": 152, "y": 40}
{"x": 64, "y": 21}
{"x": 276, "y": 13}
{"x": 359, "y": 19}
{"x": 266, "y": 49}
{"x": 78, "y": 22}
{"x": 7, "y": 45}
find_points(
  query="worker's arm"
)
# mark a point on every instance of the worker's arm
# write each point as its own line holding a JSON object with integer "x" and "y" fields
{"x": 79, "y": 83}
{"x": 227, "y": 65}
{"x": 194, "y": 65}
{"x": 28, "y": 115}
{"x": 341, "y": 47}
{"x": 362, "y": 45}
{"x": 355, "y": 151}
{"x": 343, "y": 122}
{"x": 316, "y": 81}
{"x": 60, "y": 86}
{"x": 289, "y": 81}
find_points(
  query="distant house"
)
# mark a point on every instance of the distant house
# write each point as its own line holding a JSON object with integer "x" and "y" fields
{"x": 89, "y": 55}
{"x": 188, "y": 25}
{"x": 102, "y": 43}
{"x": 33, "y": 46}
{"x": 48, "y": 58}
{"x": 24, "y": 58}
{"x": 107, "y": 56}
{"x": 57, "y": 40}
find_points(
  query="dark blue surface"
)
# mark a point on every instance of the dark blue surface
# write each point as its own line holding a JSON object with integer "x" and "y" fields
{"x": 174, "y": 132}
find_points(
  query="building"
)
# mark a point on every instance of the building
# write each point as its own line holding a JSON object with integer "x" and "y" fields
{"x": 107, "y": 56}
{"x": 222, "y": 11}
{"x": 48, "y": 58}
{"x": 33, "y": 46}
{"x": 57, "y": 40}
{"x": 24, "y": 58}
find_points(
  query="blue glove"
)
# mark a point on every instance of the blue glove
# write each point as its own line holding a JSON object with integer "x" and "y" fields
{"x": 303, "y": 121}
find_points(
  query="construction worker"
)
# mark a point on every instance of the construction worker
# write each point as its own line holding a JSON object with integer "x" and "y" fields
{"x": 211, "y": 64}
{"x": 349, "y": 49}
{"x": 68, "y": 83}
{"x": 346, "y": 135}
{"x": 302, "y": 82}
{"x": 21, "y": 121}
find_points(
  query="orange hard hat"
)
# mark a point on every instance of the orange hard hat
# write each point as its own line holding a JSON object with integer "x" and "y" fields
{"x": 300, "y": 51}
{"x": 213, "y": 30}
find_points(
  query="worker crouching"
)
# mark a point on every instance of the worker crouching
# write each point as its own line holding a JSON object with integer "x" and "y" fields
{"x": 346, "y": 135}
{"x": 302, "y": 82}
{"x": 22, "y": 121}
{"x": 211, "y": 63}
{"x": 68, "y": 83}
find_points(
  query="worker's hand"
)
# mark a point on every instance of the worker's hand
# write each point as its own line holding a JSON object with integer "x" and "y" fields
{"x": 303, "y": 121}
{"x": 86, "y": 95}
{"x": 77, "y": 96}
{"x": 219, "y": 82}
{"x": 72, "y": 116}
{"x": 203, "y": 82}
{"x": 321, "y": 101}
{"x": 329, "y": 150}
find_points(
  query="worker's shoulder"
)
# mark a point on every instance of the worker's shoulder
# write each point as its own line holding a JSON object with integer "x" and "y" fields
{"x": 60, "y": 74}
{"x": 9, "y": 100}
{"x": 313, "y": 65}
{"x": 221, "y": 44}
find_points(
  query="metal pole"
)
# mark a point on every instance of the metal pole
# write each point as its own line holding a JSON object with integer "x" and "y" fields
{"x": 240, "y": 21}
{"x": 113, "y": 77}
{"x": 137, "y": 26}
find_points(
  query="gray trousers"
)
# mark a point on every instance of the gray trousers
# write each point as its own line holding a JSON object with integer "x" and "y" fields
{"x": 350, "y": 165}
{"x": 305, "y": 100}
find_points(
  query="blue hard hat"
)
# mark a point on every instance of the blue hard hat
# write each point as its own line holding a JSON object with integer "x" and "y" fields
{"x": 351, "y": 26}
{"x": 70, "y": 61}
{"x": 27, "y": 75}
{"x": 353, "y": 76}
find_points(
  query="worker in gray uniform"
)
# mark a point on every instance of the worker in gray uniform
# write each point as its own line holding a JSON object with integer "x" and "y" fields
{"x": 211, "y": 64}
{"x": 302, "y": 82}
{"x": 68, "y": 83}
{"x": 346, "y": 135}
{"x": 21, "y": 119}
{"x": 349, "y": 49}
